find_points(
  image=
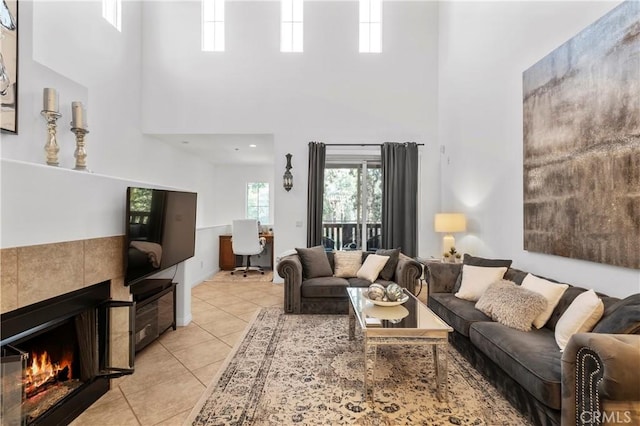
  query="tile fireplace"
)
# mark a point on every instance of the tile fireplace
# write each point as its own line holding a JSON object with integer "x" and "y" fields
{"x": 55, "y": 355}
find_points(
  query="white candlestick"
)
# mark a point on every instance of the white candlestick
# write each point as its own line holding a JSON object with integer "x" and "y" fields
{"x": 50, "y": 99}
{"x": 78, "y": 115}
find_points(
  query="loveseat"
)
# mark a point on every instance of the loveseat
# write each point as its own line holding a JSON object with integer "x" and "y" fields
{"x": 527, "y": 366}
{"x": 305, "y": 294}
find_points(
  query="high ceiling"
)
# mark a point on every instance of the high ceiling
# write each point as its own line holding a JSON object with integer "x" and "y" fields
{"x": 224, "y": 148}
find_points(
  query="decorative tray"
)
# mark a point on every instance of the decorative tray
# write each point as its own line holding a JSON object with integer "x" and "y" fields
{"x": 388, "y": 303}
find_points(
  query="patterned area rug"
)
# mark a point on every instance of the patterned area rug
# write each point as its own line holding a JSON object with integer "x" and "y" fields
{"x": 251, "y": 276}
{"x": 302, "y": 369}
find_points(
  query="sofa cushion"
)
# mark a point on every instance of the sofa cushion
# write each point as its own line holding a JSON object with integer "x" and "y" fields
{"x": 347, "y": 263}
{"x": 584, "y": 312}
{"x": 358, "y": 282}
{"x": 389, "y": 269}
{"x": 371, "y": 267}
{"x": 458, "y": 313}
{"x": 324, "y": 287}
{"x": 511, "y": 305}
{"x": 476, "y": 280}
{"x": 480, "y": 261}
{"x": 314, "y": 262}
{"x": 530, "y": 358}
{"x": 623, "y": 317}
{"x": 550, "y": 290}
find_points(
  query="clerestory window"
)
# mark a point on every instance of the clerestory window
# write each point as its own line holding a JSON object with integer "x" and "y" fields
{"x": 213, "y": 25}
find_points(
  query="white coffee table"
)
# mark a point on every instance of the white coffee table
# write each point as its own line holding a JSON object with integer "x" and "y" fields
{"x": 411, "y": 323}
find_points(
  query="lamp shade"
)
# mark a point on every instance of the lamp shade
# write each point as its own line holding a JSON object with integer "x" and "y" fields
{"x": 450, "y": 222}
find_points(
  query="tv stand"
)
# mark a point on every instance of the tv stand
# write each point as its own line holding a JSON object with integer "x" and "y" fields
{"x": 155, "y": 309}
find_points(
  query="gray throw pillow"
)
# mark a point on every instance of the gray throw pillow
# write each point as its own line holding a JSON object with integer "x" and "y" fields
{"x": 479, "y": 261}
{"x": 314, "y": 262}
{"x": 511, "y": 305}
{"x": 621, "y": 318}
{"x": 389, "y": 269}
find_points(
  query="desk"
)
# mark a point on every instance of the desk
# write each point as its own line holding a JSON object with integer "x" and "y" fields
{"x": 228, "y": 261}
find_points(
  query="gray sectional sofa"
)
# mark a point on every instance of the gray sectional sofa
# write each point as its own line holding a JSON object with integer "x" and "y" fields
{"x": 328, "y": 294}
{"x": 527, "y": 367}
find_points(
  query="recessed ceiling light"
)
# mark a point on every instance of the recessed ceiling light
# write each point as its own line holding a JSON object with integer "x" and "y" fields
{"x": 253, "y": 145}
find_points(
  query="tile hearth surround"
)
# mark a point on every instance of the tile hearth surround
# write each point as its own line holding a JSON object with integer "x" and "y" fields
{"x": 32, "y": 274}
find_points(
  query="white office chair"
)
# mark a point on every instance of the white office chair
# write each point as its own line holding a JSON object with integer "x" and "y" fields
{"x": 246, "y": 241}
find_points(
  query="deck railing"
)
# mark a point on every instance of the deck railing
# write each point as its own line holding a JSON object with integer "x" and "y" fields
{"x": 341, "y": 236}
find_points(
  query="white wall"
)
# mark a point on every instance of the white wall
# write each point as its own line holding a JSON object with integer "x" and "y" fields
{"x": 69, "y": 46}
{"x": 230, "y": 184}
{"x": 329, "y": 93}
{"x": 484, "y": 48}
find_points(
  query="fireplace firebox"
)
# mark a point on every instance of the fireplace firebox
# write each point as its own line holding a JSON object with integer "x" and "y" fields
{"x": 55, "y": 356}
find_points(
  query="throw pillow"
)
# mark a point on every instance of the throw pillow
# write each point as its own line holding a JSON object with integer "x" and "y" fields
{"x": 517, "y": 307}
{"x": 582, "y": 314}
{"x": 551, "y": 291}
{"x": 389, "y": 269}
{"x": 371, "y": 267}
{"x": 623, "y": 317}
{"x": 492, "y": 295}
{"x": 347, "y": 263}
{"x": 479, "y": 261}
{"x": 476, "y": 279}
{"x": 314, "y": 262}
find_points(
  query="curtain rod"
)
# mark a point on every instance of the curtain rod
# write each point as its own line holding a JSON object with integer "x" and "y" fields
{"x": 360, "y": 144}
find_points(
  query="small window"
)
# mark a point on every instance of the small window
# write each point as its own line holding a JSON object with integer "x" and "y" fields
{"x": 112, "y": 12}
{"x": 370, "y": 26}
{"x": 291, "y": 32}
{"x": 258, "y": 201}
{"x": 213, "y": 25}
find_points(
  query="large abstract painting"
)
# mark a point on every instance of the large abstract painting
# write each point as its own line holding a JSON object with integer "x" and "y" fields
{"x": 582, "y": 144}
{"x": 9, "y": 65}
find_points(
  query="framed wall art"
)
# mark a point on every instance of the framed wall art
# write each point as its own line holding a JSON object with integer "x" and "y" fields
{"x": 9, "y": 65}
{"x": 581, "y": 117}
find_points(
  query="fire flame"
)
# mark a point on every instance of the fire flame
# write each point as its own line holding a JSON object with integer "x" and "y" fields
{"x": 43, "y": 370}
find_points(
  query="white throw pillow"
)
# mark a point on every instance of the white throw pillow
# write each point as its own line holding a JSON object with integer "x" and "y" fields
{"x": 551, "y": 291}
{"x": 347, "y": 263}
{"x": 372, "y": 266}
{"x": 476, "y": 280}
{"x": 580, "y": 317}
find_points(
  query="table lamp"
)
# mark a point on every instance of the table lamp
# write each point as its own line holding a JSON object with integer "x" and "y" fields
{"x": 449, "y": 223}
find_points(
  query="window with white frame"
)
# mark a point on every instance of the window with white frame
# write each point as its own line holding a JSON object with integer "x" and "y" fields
{"x": 258, "y": 201}
{"x": 112, "y": 12}
{"x": 291, "y": 32}
{"x": 213, "y": 25}
{"x": 370, "y": 26}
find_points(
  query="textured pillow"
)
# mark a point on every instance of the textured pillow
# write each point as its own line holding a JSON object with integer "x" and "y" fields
{"x": 476, "y": 279}
{"x": 584, "y": 312}
{"x": 511, "y": 305}
{"x": 479, "y": 261}
{"x": 347, "y": 263}
{"x": 371, "y": 267}
{"x": 314, "y": 262}
{"x": 389, "y": 269}
{"x": 551, "y": 291}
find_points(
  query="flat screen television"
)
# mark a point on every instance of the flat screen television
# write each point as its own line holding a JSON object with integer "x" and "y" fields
{"x": 160, "y": 231}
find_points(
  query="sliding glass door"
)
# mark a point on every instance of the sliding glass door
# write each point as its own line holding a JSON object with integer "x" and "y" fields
{"x": 352, "y": 212}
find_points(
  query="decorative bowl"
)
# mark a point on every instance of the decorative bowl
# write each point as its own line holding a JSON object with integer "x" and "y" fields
{"x": 387, "y": 303}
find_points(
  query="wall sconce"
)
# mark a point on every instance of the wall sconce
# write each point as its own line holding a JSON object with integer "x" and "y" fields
{"x": 287, "y": 179}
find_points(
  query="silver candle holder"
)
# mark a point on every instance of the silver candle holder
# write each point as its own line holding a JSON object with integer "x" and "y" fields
{"x": 80, "y": 153}
{"x": 51, "y": 147}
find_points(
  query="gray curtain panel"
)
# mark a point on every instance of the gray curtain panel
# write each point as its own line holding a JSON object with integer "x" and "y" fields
{"x": 315, "y": 193}
{"x": 400, "y": 196}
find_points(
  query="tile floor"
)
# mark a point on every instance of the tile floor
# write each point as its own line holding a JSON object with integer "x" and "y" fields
{"x": 171, "y": 373}
{"x": 187, "y": 358}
